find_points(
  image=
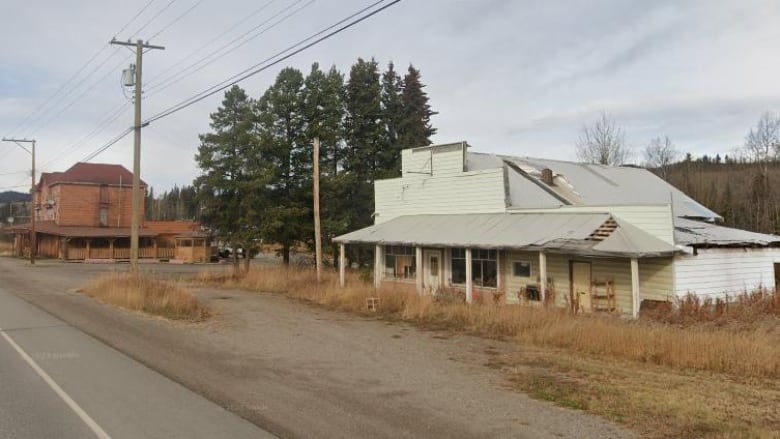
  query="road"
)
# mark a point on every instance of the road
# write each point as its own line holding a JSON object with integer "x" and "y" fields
{"x": 294, "y": 370}
{"x": 57, "y": 382}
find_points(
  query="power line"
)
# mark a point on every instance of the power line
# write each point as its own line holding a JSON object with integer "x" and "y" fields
{"x": 211, "y": 58}
{"x": 109, "y": 144}
{"x": 249, "y": 72}
{"x": 134, "y": 17}
{"x": 176, "y": 20}
{"x": 148, "y": 22}
{"x": 212, "y": 40}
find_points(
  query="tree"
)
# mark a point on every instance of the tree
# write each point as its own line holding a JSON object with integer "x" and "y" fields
{"x": 661, "y": 153}
{"x": 393, "y": 117}
{"x": 415, "y": 128}
{"x": 602, "y": 143}
{"x": 224, "y": 187}
{"x": 283, "y": 165}
{"x": 763, "y": 142}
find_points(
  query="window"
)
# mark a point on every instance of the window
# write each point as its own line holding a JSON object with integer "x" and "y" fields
{"x": 400, "y": 262}
{"x": 521, "y": 269}
{"x": 483, "y": 267}
{"x": 103, "y": 217}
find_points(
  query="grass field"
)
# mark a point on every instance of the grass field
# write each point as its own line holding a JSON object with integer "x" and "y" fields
{"x": 704, "y": 370}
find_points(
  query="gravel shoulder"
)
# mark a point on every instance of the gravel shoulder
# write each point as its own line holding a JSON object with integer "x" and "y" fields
{"x": 301, "y": 371}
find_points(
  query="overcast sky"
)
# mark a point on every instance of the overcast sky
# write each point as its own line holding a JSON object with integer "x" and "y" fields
{"x": 511, "y": 77}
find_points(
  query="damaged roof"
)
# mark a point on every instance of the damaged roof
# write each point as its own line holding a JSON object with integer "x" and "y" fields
{"x": 587, "y": 184}
{"x": 704, "y": 234}
{"x": 571, "y": 233}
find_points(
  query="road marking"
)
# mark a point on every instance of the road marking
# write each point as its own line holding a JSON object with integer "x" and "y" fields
{"x": 99, "y": 432}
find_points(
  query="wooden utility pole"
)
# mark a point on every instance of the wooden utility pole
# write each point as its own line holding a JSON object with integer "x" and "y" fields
{"x": 33, "y": 235}
{"x": 135, "y": 219}
{"x": 317, "y": 233}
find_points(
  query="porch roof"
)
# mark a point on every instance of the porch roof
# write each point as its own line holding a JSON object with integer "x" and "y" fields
{"x": 50, "y": 228}
{"x": 568, "y": 233}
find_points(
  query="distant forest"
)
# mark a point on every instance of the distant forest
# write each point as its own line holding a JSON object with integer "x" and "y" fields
{"x": 13, "y": 197}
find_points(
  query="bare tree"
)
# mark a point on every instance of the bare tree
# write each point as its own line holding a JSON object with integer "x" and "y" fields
{"x": 660, "y": 153}
{"x": 763, "y": 142}
{"x": 602, "y": 143}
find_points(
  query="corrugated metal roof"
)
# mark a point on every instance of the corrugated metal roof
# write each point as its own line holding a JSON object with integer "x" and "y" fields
{"x": 590, "y": 184}
{"x": 556, "y": 232}
{"x": 50, "y": 228}
{"x": 699, "y": 233}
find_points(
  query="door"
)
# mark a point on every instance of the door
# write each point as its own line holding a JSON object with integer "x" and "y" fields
{"x": 433, "y": 268}
{"x": 777, "y": 276}
{"x": 580, "y": 285}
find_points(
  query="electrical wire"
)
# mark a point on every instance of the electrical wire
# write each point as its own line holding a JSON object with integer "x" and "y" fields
{"x": 215, "y": 55}
{"x": 212, "y": 40}
{"x": 134, "y": 17}
{"x": 107, "y": 145}
{"x": 148, "y": 22}
{"x": 176, "y": 20}
{"x": 259, "y": 67}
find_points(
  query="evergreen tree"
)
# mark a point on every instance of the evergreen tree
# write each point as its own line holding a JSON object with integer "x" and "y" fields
{"x": 416, "y": 129}
{"x": 393, "y": 115}
{"x": 284, "y": 164}
{"x": 324, "y": 112}
{"x": 224, "y": 186}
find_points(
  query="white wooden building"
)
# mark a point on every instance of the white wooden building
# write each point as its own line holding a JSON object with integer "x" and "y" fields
{"x": 521, "y": 229}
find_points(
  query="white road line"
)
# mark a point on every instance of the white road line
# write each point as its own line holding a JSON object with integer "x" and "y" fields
{"x": 99, "y": 432}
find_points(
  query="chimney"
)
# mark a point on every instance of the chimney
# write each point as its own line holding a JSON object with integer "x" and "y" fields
{"x": 547, "y": 176}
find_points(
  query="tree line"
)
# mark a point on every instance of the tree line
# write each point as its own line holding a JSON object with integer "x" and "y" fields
{"x": 740, "y": 187}
{"x": 256, "y": 161}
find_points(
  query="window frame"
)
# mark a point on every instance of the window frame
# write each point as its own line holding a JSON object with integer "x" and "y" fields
{"x": 392, "y": 253}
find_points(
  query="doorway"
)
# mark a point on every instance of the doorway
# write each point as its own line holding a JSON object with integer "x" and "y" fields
{"x": 580, "y": 286}
{"x": 433, "y": 268}
{"x": 777, "y": 276}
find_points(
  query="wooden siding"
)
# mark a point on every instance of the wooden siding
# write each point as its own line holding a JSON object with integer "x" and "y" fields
{"x": 467, "y": 192}
{"x": 653, "y": 219}
{"x": 434, "y": 160}
{"x": 656, "y": 279}
{"x": 514, "y": 283}
{"x": 720, "y": 271}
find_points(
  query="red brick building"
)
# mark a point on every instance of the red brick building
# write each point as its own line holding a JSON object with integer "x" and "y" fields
{"x": 85, "y": 212}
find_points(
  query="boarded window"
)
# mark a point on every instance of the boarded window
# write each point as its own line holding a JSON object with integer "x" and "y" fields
{"x": 103, "y": 217}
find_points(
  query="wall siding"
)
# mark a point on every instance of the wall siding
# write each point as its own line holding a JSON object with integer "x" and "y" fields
{"x": 442, "y": 159}
{"x": 720, "y": 271}
{"x": 656, "y": 279}
{"x": 653, "y": 219}
{"x": 79, "y": 205}
{"x": 465, "y": 192}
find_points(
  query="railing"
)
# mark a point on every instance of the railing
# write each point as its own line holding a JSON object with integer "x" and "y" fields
{"x": 100, "y": 253}
{"x": 165, "y": 252}
{"x": 77, "y": 253}
{"x": 146, "y": 252}
{"x": 121, "y": 253}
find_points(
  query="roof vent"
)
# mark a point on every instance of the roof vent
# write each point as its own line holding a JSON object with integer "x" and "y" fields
{"x": 547, "y": 176}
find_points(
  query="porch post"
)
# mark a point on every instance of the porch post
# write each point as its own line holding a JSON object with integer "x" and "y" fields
{"x": 154, "y": 244}
{"x": 342, "y": 265}
{"x": 111, "y": 248}
{"x": 469, "y": 281}
{"x": 378, "y": 266}
{"x": 418, "y": 268}
{"x": 635, "y": 299}
{"x": 86, "y": 256}
{"x": 542, "y": 276}
{"x": 499, "y": 281}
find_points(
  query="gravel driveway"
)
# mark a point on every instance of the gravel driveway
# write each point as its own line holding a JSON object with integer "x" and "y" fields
{"x": 301, "y": 371}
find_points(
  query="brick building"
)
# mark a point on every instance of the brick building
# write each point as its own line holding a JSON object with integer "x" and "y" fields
{"x": 85, "y": 212}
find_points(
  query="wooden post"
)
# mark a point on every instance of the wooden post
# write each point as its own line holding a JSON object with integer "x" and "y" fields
{"x": 469, "y": 280}
{"x": 378, "y": 266}
{"x": 86, "y": 256}
{"x": 317, "y": 233}
{"x": 342, "y": 264}
{"x": 542, "y": 277}
{"x": 635, "y": 297}
{"x": 418, "y": 269}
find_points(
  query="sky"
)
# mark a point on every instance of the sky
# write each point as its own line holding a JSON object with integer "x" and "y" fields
{"x": 509, "y": 77}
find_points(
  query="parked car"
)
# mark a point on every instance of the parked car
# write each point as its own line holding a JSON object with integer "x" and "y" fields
{"x": 227, "y": 252}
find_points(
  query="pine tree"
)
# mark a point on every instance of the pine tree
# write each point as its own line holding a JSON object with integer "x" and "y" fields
{"x": 416, "y": 129}
{"x": 283, "y": 165}
{"x": 392, "y": 115}
{"x": 223, "y": 187}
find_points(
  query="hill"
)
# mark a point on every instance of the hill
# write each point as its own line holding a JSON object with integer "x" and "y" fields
{"x": 13, "y": 197}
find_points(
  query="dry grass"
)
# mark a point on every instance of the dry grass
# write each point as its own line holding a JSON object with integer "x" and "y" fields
{"x": 696, "y": 372}
{"x": 149, "y": 295}
{"x": 753, "y": 351}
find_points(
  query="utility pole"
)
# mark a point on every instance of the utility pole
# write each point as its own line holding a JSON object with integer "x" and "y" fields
{"x": 135, "y": 219}
{"x": 317, "y": 233}
{"x": 33, "y": 236}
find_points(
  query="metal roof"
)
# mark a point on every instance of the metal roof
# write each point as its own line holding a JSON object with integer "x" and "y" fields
{"x": 703, "y": 234}
{"x": 555, "y": 232}
{"x": 593, "y": 185}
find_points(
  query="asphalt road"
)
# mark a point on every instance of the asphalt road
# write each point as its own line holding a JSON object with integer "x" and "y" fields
{"x": 57, "y": 382}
